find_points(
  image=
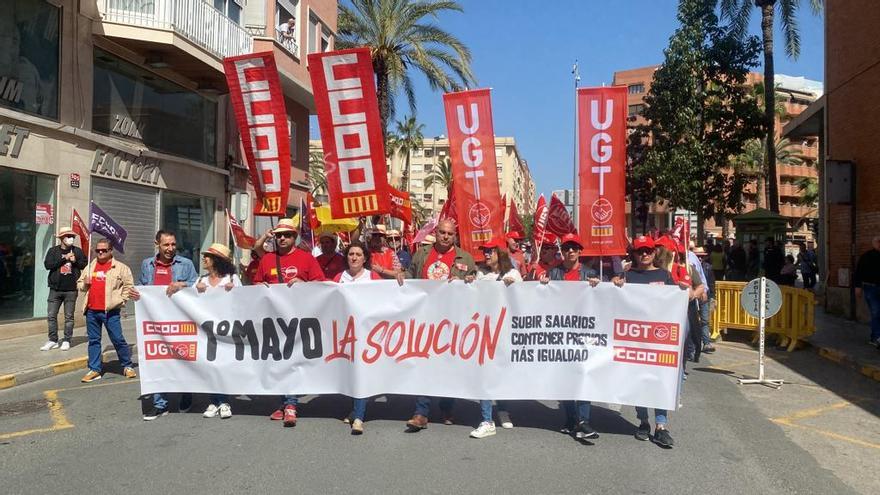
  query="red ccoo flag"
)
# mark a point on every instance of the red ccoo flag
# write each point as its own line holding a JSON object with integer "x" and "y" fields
{"x": 558, "y": 220}
{"x": 539, "y": 224}
{"x": 80, "y": 229}
{"x": 515, "y": 222}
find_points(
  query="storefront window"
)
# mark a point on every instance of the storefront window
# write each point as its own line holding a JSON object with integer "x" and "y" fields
{"x": 29, "y": 56}
{"x": 132, "y": 102}
{"x": 24, "y": 242}
{"x": 191, "y": 218}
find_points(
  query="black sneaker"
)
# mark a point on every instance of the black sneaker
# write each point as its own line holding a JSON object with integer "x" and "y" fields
{"x": 186, "y": 402}
{"x": 569, "y": 427}
{"x": 663, "y": 438}
{"x": 708, "y": 348}
{"x": 644, "y": 432}
{"x": 584, "y": 430}
{"x": 154, "y": 413}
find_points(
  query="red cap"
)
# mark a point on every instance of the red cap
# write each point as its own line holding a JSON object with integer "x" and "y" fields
{"x": 572, "y": 238}
{"x": 643, "y": 241}
{"x": 495, "y": 242}
{"x": 514, "y": 235}
{"x": 665, "y": 242}
{"x": 548, "y": 238}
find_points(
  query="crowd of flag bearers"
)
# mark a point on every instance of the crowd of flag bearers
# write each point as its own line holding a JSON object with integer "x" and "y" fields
{"x": 375, "y": 254}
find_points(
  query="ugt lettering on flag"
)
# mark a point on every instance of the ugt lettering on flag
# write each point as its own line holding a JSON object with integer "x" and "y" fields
{"x": 103, "y": 224}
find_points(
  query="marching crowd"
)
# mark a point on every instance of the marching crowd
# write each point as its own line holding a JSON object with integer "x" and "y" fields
{"x": 107, "y": 284}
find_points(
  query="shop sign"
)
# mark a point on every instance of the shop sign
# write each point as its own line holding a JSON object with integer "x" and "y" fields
{"x": 74, "y": 181}
{"x": 14, "y": 136}
{"x": 44, "y": 214}
{"x": 118, "y": 165}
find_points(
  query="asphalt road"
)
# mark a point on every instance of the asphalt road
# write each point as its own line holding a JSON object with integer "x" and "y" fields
{"x": 61, "y": 436}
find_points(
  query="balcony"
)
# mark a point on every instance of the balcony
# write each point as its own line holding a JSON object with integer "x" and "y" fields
{"x": 194, "y": 20}
{"x": 794, "y": 211}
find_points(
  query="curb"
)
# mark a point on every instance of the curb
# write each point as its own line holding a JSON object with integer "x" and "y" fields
{"x": 54, "y": 369}
{"x": 869, "y": 370}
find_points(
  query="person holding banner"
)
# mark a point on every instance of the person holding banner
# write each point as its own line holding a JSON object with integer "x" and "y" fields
{"x": 548, "y": 256}
{"x": 332, "y": 263}
{"x": 108, "y": 285}
{"x": 577, "y": 413}
{"x": 442, "y": 260}
{"x": 287, "y": 265}
{"x": 220, "y": 274}
{"x": 383, "y": 259}
{"x": 516, "y": 254}
{"x": 497, "y": 267}
{"x": 357, "y": 270}
{"x": 175, "y": 272}
{"x": 644, "y": 271}
{"x": 64, "y": 262}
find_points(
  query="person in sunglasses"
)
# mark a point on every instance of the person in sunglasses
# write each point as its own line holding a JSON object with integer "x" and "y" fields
{"x": 496, "y": 267}
{"x": 108, "y": 284}
{"x": 577, "y": 413}
{"x": 287, "y": 265}
{"x": 548, "y": 257}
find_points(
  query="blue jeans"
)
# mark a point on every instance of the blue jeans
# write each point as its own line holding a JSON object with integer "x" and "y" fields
{"x": 486, "y": 409}
{"x": 218, "y": 399}
{"x": 290, "y": 400}
{"x": 360, "y": 409}
{"x": 94, "y": 321}
{"x": 872, "y": 297}
{"x": 659, "y": 415}
{"x": 160, "y": 400}
{"x": 704, "y": 322}
{"x": 576, "y": 411}
{"x": 423, "y": 405}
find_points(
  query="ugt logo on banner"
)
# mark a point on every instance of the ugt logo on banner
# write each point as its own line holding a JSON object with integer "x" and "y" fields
{"x": 475, "y": 179}
{"x": 351, "y": 132}
{"x": 601, "y": 169}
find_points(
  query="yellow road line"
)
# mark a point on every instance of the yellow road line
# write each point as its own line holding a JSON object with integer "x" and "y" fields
{"x": 7, "y": 381}
{"x": 814, "y": 411}
{"x": 96, "y": 385}
{"x": 829, "y": 434}
{"x": 56, "y": 410}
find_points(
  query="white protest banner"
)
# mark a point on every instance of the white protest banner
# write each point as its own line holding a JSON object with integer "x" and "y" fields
{"x": 564, "y": 340}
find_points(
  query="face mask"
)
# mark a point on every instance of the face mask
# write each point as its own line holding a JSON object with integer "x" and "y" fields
{"x": 68, "y": 241}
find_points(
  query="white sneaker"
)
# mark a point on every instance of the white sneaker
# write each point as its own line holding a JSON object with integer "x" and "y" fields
{"x": 504, "y": 418}
{"x": 225, "y": 411}
{"x": 211, "y": 411}
{"x": 65, "y": 346}
{"x": 485, "y": 429}
{"x": 48, "y": 346}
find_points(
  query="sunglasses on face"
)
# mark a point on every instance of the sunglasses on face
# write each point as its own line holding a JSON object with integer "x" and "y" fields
{"x": 645, "y": 252}
{"x": 440, "y": 232}
{"x": 283, "y": 235}
{"x": 570, "y": 247}
{"x": 548, "y": 248}
{"x": 102, "y": 251}
{"x": 488, "y": 252}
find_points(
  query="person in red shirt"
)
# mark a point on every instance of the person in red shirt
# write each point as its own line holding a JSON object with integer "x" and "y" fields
{"x": 516, "y": 254}
{"x": 383, "y": 259}
{"x": 548, "y": 257}
{"x": 287, "y": 265}
{"x": 332, "y": 263}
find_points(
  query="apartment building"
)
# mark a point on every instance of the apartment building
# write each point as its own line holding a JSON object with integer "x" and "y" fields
{"x": 514, "y": 178}
{"x": 797, "y": 94}
{"x": 125, "y": 103}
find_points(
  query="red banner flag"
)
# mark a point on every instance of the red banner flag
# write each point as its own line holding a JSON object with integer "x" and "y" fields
{"x": 515, "y": 222}
{"x": 401, "y": 206}
{"x": 425, "y": 231}
{"x": 601, "y": 170}
{"x": 256, "y": 96}
{"x": 539, "y": 223}
{"x": 558, "y": 220}
{"x": 475, "y": 177}
{"x": 448, "y": 211}
{"x": 313, "y": 212}
{"x": 239, "y": 237}
{"x": 351, "y": 132}
{"x": 681, "y": 231}
{"x": 80, "y": 229}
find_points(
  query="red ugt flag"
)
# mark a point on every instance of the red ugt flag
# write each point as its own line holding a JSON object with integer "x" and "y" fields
{"x": 539, "y": 224}
{"x": 515, "y": 222}
{"x": 558, "y": 220}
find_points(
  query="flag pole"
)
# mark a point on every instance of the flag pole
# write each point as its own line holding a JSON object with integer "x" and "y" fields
{"x": 577, "y": 79}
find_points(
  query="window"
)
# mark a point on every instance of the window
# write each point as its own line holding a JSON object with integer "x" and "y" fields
{"x": 441, "y": 153}
{"x": 168, "y": 117}
{"x": 325, "y": 40}
{"x": 635, "y": 89}
{"x": 417, "y": 152}
{"x": 499, "y": 152}
{"x": 292, "y": 126}
{"x": 230, "y": 8}
{"x": 314, "y": 25}
{"x": 284, "y": 11}
{"x": 191, "y": 218}
{"x": 29, "y": 57}
{"x": 429, "y": 153}
{"x": 415, "y": 167}
{"x": 429, "y": 167}
{"x": 429, "y": 197}
{"x": 635, "y": 110}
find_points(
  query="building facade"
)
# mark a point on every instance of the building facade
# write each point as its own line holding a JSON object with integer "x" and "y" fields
{"x": 125, "y": 103}
{"x": 795, "y": 94}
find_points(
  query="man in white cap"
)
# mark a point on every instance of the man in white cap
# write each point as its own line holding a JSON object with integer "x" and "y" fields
{"x": 64, "y": 262}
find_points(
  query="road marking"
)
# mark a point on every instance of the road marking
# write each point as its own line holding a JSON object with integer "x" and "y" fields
{"x": 829, "y": 434}
{"x": 56, "y": 410}
{"x": 815, "y": 411}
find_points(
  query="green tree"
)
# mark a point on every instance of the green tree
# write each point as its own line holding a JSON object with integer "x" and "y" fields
{"x": 751, "y": 164}
{"x": 739, "y": 12}
{"x": 406, "y": 139}
{"x": 402, "y": 40}
{"x": 316, "y": 177}
{"x": 440, "y": 175}
{"x": 700, "y": 113}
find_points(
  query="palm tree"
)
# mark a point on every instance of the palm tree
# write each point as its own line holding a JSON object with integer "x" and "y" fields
{"x": 400, "y": 40}
{"x": 751, "y": 164}
{"x": 440, "y": 175}
{"x": 739, "y": 12}
{"x": 316, "y": 176}
{"x": 406, "y": 139}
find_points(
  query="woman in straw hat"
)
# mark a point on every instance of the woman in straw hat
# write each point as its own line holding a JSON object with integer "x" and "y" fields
{"x": 220, "y": 273}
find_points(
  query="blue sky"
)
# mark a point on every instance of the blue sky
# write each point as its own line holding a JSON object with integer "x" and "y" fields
{"x": 524, "y": 50}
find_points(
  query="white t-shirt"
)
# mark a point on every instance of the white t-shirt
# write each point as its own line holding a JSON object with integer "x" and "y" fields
{"x": 513, "y": 273}
{"x": 204, "y": 279}
{"x": 285, "y": 28}
{"x": 346, "y": 278}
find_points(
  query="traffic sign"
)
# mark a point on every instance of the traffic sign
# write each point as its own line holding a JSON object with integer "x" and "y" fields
{"x": 750, "y": 298}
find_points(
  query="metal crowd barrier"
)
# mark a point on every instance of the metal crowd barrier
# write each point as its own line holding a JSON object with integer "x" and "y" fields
{"x": 793, "y": 322}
